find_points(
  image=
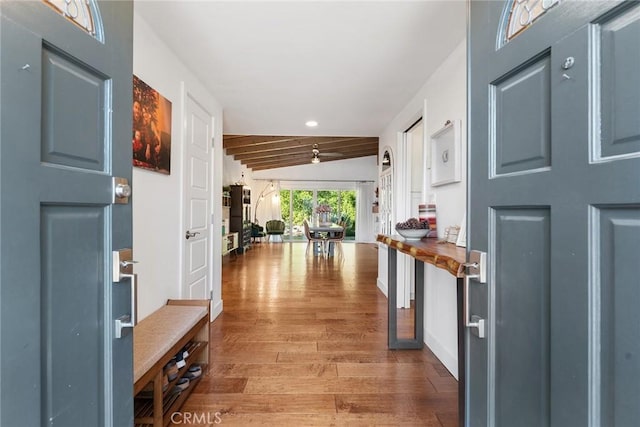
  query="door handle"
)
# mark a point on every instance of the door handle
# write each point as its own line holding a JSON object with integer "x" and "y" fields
{"x": 123, "y": 269}
{"x": 476, "y": 268}
{"x": 129, "y": 321}
{"x": 127, "y": 263}
{"x": 190, "y": 234}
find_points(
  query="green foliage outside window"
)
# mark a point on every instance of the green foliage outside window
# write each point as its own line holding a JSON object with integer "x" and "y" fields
{"x": 348, "y": 211}
{"x": 342, "y": 203}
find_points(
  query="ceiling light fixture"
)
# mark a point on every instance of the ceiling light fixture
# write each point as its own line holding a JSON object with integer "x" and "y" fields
{"x": 311, "y": 123}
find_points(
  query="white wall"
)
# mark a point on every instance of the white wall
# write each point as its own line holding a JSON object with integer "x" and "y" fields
{"x": 158, "y": 199}
{"x": 233, "y": 171}
{"x": 445, "y": 95}
{"x": 360, "y": 169}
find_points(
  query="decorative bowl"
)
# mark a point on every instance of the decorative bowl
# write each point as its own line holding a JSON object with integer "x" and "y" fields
{"x": 413, "y": 233}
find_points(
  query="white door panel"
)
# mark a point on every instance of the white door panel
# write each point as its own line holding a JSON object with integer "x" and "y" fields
{"x": 197, "y": 202}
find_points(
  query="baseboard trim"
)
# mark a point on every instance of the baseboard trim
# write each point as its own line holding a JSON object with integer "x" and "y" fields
{"x": 216, "y": 309}
{"x": 383, "y": 287}
{"x": 449, "y": 360}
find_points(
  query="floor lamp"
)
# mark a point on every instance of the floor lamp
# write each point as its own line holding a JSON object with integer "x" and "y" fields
{"x": 268, "y": 189}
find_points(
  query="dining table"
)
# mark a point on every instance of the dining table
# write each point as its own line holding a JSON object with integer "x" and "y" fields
{"x": 331, "y": 229}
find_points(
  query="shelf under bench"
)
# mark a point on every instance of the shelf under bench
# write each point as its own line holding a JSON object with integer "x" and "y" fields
{"x": 157, "y": 339}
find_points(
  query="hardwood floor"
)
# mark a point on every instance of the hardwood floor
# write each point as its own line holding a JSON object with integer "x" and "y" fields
{"x": 303, "y": 342}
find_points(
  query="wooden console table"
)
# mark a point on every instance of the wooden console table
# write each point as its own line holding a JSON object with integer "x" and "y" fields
{"x": 446, "y": 256}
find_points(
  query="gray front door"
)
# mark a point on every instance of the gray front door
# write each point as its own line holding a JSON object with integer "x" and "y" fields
{"x": 65, "y": 131}
{"x": 554, "y": 200}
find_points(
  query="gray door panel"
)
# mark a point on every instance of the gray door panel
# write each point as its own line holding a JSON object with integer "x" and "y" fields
{"x": 620, "y": 93}
{"x": 615, "y": 321}
{"x": 72, "y": 339}
{"x": 66, "y": 129}
{"x": 520, "y": 307}
{"x": 554, "y": 176}
{"x": 521, "y": 142}
{"x": 61, "y": 113}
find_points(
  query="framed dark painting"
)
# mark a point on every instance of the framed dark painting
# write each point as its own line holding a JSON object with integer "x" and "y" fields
{"x": 151, "y": 128}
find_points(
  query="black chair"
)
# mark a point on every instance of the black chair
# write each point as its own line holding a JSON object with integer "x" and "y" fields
{"x": 257, "y": 232}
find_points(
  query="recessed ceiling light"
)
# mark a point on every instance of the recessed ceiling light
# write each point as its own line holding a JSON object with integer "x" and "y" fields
{"x": 311, "y": 123}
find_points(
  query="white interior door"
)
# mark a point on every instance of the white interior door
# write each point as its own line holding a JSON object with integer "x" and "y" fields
{"x": 197, "y": 203}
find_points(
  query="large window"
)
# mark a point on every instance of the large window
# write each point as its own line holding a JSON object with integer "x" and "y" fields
{"x": 298, "y": 205}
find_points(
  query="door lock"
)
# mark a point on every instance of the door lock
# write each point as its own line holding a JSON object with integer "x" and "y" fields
{"x": 568, "y": 62}
{"x": 121, "y": 191}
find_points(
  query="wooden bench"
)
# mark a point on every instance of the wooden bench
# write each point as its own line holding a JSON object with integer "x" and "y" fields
{"x": 156, "y": 340}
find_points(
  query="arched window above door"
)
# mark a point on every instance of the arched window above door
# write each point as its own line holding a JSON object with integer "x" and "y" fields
{"x": 518, "y": 15}
{"x": 83, "y": 13}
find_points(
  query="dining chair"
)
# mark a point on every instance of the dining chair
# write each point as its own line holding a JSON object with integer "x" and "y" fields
{"x": 337, "y": 238}
{"x": 312, "y": 239}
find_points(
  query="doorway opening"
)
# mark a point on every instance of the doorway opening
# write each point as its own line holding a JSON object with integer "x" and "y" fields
{"x": 299, "y": 204}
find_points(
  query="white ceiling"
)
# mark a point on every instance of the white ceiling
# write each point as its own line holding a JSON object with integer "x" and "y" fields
{"x": 350, "y": 65}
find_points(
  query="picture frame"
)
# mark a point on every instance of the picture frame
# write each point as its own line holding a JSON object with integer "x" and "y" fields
{"x": 151, "y": 133}
{"x": 452, "y": 233}
{"x": 462, "y": 234}
{"x": 445, "y": 154}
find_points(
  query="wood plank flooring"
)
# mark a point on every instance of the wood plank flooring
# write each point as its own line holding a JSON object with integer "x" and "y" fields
{"x": 303, "y": 342}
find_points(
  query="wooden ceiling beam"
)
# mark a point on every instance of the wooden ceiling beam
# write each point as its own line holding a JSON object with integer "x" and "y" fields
{"x": 260, "y": 152}
{"x": 294, "y": 161}
{"x": 277, "y": 160}
{"x": 342, "y": 149}
{"x": 298, "y": 144}
{"x": 282, "y": 165}
{"x": 305, "y": 156}
{"x": 238, "y": 141}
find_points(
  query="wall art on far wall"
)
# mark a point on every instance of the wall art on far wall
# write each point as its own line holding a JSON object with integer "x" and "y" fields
{"x": 445, "y": 154}
{"x": 151, "y": 128}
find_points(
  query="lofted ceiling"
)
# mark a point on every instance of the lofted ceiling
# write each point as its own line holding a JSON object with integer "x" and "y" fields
{"x": 259, "y": 152}
{"x": 273, "y": 65}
